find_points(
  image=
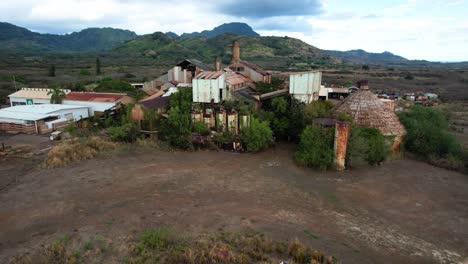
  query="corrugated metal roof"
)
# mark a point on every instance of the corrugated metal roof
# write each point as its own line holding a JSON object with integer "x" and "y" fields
{"x": 35, "y": 93}
{"x": 197, "y": 63}
{"x": 209, "y": 75}
{"x": 252, "y": 66}
{"x": 34, "y": 112}
{"x": 94, "y": 97}
{"x": 156, "y": 103}
{"x": 236, "y": 78}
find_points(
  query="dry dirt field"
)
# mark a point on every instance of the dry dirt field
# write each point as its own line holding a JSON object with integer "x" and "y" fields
{"x": 402, "y": 212}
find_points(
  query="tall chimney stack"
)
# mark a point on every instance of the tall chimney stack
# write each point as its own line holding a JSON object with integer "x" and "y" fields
{"x": 235, "y": 52}
{"x": 218, "y": 63}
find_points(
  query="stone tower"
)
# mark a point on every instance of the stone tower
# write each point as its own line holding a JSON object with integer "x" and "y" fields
{"x": 235, "y": 52}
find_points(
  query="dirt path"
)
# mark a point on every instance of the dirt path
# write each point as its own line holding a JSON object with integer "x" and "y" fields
{"x": 402, "y": 212}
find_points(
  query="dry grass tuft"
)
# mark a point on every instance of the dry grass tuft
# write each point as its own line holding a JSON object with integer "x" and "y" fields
{"x": 73, "y": 150}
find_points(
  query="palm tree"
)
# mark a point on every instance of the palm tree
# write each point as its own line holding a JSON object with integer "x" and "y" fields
{"x": 56, "y": 95}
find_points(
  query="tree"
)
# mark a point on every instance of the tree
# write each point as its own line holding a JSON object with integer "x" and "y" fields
{"x": 365, "y": 67}
{"x": 98, "y": 66}
{"x": 257, "y": 136}
{"x": 51, "y": 71}
{"x": 56, "y": 95}
{"x": 182, "y": 99}
{"x": 366, "y": 145}
{"x": 316, "y": 147}
{"x": 426, "y": 133}
{"x": 116, "y": 86}
{"x": 318, "y": 109}
{"x": 177, "y": 128}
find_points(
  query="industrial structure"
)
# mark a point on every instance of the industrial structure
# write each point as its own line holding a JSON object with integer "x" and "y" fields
{"x": 368, "y": 110}
{"x": 39, "y": 118}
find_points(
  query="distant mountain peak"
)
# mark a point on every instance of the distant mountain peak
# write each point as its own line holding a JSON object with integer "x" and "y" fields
{"x": 237, "y": 28}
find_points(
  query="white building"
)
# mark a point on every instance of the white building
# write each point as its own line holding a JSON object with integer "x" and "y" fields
{"x": 96, "y": 102}
{"x": 305, "y": 86}
{"x": 30, "y": 96}
{"x": 40, "y": 119}
{"x": 209, "y": 86}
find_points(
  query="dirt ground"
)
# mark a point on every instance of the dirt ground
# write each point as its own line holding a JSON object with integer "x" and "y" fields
{"x": 402, "y": 212}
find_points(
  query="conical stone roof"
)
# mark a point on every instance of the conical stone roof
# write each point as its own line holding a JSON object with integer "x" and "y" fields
{"x": 369, "y": 111}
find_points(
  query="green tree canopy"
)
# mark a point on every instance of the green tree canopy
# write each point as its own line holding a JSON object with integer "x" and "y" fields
{"x": 316, "y": 147}
{"x": 56, "y": 95}
{"x": 257, "y": 136}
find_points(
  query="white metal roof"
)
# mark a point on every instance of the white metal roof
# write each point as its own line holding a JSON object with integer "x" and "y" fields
{"x": 34, "y": 112}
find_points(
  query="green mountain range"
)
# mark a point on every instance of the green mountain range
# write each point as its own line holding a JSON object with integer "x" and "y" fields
{"x": 18, "y": 40}
{"x": 362, "y": 57}
{"x": 272, "y": 52}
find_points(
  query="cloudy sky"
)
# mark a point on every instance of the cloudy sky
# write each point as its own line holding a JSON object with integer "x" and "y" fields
{"x": 417, "y": 29}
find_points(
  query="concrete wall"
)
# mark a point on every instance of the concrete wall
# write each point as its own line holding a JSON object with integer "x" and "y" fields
{"x": 305, "y": 87}
{"x": 204, "y": 90}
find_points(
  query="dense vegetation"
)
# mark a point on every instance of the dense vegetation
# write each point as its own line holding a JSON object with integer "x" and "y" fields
{"x": 316, "y": 147}
{"x": 366, "y": 146}
{"x": 428, "y": 137}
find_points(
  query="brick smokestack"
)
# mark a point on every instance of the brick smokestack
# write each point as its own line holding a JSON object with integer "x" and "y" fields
{"x": 341, "y": 142}
{"x": 218, "y": 63}
{"x": 235, "y": 52}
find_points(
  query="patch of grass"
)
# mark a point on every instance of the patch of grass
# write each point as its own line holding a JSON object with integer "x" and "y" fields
{"x": 310, "y": 234}
{"x": 88, "y": 245}
{"x": 159, "y": 238}
{"x": 70, "y": 151}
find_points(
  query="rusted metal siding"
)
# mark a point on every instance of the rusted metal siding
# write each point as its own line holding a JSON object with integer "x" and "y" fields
{"x": 305, "y": 86}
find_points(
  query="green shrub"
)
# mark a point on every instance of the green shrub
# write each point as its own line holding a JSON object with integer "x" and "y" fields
{"x": 318, "y": 109}
{"x": 427, "y": 135}
{"x": 316, "y": 147}
{"x": 177, "y": 128}
{"x": 257, "y": 136}
{"x": 84, "y": 72}
{"x": 200, "y": 128}
{"x": 125, "y": 133}
{"x": 366, "y": 145}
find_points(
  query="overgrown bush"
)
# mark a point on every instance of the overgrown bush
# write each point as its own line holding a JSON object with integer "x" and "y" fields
{"x": 366, "y": 146}
{"x": 316, "y": 147}
{"x": 257, "y": 136}
{"x": 427, "y": 136}
{"x": 177, "y": 128}
{"x": 70, "y": 151}
{"x": 200, "y": 128}
{"x": 318, "y": 109}
{"x": 125, "y": 133}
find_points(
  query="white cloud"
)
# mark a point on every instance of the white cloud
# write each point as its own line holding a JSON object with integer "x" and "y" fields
{"x": 417, "y": 29}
